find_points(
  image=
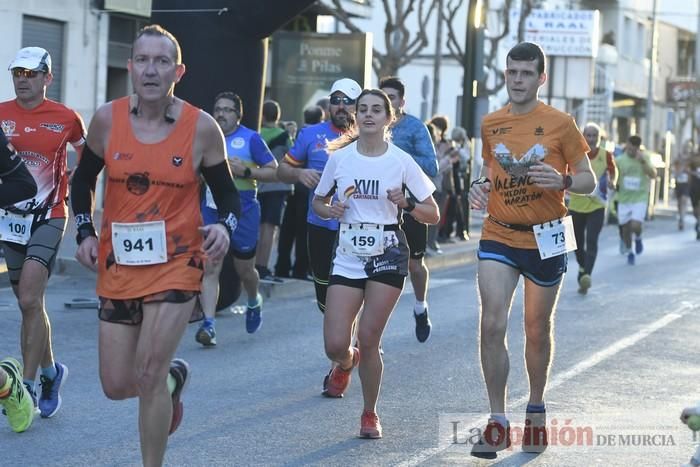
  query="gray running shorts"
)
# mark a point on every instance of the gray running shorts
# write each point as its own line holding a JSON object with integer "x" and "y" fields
{"x": 42, "y": 247}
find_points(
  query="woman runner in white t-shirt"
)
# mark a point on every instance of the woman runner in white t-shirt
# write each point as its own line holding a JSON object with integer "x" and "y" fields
{"x": 368, "y": 176}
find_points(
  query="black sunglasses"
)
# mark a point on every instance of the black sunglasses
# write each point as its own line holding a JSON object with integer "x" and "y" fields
{"x": 17, "y": 72}
{"x": 335, "y": 100}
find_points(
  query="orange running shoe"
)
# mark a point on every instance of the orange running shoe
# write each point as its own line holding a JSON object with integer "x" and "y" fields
{"x": 370, "y": 428}
{"x": 338, "y": 380}
{"x": 180, "y": 370}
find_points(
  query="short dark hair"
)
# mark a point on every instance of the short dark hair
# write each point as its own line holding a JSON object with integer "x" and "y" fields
{"x": 527, "y": 52}
{"x": 232, "y": 96}
{"x": 313, "y": 115}
{"x": 440, "y": 122}
{"x": 156, "y": 30}
{"x": 271, "y": 111}
{"x": 635, "y": 140}
{"x": 393, "y": 82}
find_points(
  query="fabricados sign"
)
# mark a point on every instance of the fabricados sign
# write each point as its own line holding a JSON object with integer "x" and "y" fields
{"x": 680, "y": 92}
{"x": 572, "y": 33}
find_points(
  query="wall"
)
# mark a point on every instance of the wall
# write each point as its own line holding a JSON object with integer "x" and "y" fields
{"x": 80, "y": 51}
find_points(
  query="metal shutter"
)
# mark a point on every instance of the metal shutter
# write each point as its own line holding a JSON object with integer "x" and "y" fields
{"x": 48, "y": 34}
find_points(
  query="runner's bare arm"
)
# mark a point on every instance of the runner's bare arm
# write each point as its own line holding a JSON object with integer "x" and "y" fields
{"x": 480, "y": 188}
{"x": 582, "y": 179}
{"x": 289, "y": 174}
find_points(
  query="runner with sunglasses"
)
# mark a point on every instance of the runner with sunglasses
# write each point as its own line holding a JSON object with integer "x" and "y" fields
{"x": 39, "y": 129}
{"x": 304, "y": 164}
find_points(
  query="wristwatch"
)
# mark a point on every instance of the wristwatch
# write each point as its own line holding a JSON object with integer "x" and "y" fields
{"x": 247, "y": 172}
{"x": 411, "y": 205}
{"x": 568, "y": 181}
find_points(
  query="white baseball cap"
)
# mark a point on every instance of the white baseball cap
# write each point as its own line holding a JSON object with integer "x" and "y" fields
{"x": 32, "y": 58}
{"x": 347, "y": 86}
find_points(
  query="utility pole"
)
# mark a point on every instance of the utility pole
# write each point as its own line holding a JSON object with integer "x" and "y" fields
{"x": 473, "y": 73}
{"x": 650, "y": 90}
{"x": 437, "y": 63}
{"x": 694, "y": 137}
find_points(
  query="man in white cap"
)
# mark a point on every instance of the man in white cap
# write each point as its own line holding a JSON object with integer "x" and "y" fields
{"x": 32, "y": 229}
{"x": 304, "y": 163}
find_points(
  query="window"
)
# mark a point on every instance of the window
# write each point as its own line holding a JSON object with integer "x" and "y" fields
{"x": 46, "y": 33}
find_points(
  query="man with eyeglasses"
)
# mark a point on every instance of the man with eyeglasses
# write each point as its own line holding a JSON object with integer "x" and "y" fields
{"x": 32, "y": 230}
{"x": 304, "y": 164}
{"x": 251, "y": 161}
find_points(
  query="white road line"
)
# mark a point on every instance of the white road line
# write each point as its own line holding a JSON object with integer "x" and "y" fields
{"x": 574, "y": 371}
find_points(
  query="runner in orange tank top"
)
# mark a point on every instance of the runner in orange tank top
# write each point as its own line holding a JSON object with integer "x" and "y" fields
{"x": 152, "y": 244}
{"x": 529, "y": 148}
{"x": 32, "y": 231}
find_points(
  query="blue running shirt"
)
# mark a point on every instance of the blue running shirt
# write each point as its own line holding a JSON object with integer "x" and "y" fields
{"x": 309, "y": 152}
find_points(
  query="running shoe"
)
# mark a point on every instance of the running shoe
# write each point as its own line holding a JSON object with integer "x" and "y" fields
{"x": 180, "y": 370}
{"x": 630, "y": 259}
{"x": 584, "y": 283}
{"x": 206, "y": 335}
{"x": 337, "y": 380}
{"x": 535, "y": 432}
{"x": 423, "y": 326}
{"x": 50, "y": 399}
{"x": 18, "y": 406}
{"x": 32, "y": 394}
{"x": 494, "y": 438}
{"x": 638, "y": 245}
{"x": 253, "y": 316}
{"x": 370, "y": 428}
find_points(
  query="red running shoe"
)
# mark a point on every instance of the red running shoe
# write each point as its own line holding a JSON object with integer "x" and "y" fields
{"x": 370, "y": 428}
{"x": 338, "y": 380}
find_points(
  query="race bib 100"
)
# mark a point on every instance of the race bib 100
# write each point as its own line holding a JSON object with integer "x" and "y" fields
{"x": 139, "y": 243}
{"x": 15, "y": 228}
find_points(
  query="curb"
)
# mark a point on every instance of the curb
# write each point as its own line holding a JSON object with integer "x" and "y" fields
{"x": 457, "y": 254}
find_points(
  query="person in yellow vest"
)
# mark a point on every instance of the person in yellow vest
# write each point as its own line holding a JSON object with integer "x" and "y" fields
{"x": 588, "y": 211}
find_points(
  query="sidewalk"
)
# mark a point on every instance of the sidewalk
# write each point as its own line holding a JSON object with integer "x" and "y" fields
{"x": 454, "y": 254}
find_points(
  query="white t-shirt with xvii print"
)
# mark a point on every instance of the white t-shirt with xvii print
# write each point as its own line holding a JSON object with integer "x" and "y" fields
{"x": 362, "y": 183}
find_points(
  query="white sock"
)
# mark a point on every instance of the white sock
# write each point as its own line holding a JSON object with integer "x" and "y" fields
{"x": 420, "y": 307}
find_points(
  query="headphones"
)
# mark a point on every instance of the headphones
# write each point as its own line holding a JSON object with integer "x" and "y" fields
{"x": 135, "y": 110}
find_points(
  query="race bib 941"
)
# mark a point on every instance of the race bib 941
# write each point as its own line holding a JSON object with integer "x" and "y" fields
{"x": 139, "y": 243}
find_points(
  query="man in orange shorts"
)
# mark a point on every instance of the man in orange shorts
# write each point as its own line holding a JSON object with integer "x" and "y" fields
{"x": 532, "y": 153}
{"x": 152, "y": 246}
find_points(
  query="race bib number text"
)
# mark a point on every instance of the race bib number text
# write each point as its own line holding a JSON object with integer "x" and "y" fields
{"x": 555, "y": 238}
{"x": 139, "y": 243}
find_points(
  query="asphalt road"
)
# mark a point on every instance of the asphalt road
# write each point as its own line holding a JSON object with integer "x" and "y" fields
{"x": 625, "y": 365}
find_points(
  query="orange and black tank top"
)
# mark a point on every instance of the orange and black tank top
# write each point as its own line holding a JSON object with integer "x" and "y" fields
{"x": 149, "y": 183}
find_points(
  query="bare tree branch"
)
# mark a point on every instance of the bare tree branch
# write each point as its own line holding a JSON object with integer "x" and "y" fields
{"x": 402, "y": 44}
{"x": 453, "y": 43}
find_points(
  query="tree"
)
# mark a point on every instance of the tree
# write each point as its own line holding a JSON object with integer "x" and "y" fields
{"x": 500, "y": 30}
{"x": 402, "y": 43}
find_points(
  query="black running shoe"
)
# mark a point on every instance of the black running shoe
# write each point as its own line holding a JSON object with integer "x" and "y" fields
{"x": 423, "y": 326}
{"x": 494, "y": 438}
